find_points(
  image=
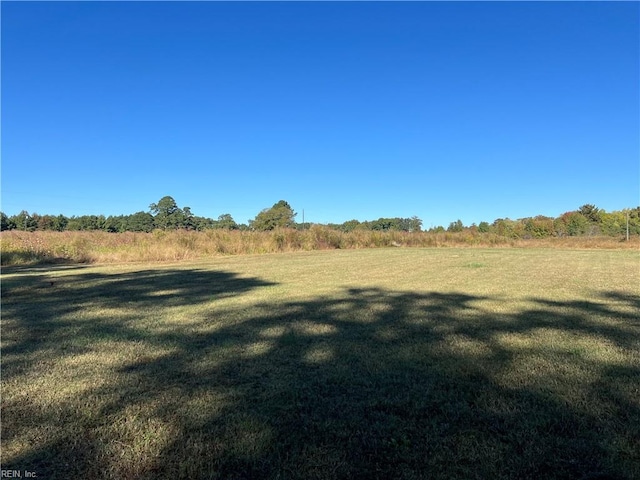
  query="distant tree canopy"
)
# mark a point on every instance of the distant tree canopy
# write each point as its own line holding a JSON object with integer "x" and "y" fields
{"x": 590, "y": 212}
{"x": 139, "y": 222}
{"x": 413, "y": 224}
{"x": 167, "y": 214}
{"x": 280, "y": 215}
{"x": 456, "y": 226}
{"x": 587, "y": 220}
{"x": 226, "y": 221}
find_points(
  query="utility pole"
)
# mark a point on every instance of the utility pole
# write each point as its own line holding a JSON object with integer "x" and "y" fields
{"x": 627, "y": 225}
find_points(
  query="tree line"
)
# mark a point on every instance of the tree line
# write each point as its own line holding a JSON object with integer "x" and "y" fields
{"x": 588, "y": 220}
{"x": 167, "y": 215}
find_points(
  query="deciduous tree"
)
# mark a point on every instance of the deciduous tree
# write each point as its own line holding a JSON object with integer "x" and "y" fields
{"x": 280, "y": 215}
{"x": 226, "y": 221}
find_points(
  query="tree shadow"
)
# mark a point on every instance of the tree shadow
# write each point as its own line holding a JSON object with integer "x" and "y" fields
{"x": 368, "y": 383}
{"x": 41, "y": 310}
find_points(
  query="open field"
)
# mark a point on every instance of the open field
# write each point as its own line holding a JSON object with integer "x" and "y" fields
{"x": 29, "y": 248}
{"x": 457, "y": 363}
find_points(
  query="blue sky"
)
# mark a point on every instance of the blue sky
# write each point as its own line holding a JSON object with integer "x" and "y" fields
{"x": 444, "y": 110}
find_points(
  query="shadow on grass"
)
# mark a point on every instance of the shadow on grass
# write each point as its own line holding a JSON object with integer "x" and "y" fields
{"x": 44, "y": 310}
{"x": 369, "y": 383}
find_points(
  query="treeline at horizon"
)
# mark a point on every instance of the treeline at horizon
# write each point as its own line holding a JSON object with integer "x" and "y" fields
{"x": 587, "y": 220}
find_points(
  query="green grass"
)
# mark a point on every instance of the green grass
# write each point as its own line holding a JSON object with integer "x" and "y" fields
{"x": 386, "y": 363}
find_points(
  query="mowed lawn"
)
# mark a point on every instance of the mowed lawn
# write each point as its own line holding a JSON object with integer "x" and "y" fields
{"x": 386, "y": 363}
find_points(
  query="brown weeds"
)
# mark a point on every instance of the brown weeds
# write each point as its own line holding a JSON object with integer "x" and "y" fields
{"x": 25, "y": 248}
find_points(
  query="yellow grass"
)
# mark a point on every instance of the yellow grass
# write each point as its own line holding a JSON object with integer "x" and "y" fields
{"x": 375, "y": 363}
{"x": 23, "y": 248}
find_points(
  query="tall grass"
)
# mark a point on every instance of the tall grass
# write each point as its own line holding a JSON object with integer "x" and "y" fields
{"x": 23, "y": 248}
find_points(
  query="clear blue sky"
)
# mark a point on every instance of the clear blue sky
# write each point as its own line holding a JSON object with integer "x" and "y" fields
{"x": 444, "y": 110}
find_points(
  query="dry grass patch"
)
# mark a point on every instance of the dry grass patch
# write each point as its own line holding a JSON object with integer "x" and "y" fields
{"x": 386, "y": 363}
{"x": 46, "y": 247}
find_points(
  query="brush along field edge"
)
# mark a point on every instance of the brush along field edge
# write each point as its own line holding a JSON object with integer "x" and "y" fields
{"x": 25, "y": 248}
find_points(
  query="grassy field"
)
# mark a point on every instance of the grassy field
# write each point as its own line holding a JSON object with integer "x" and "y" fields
{"x": 453, "y": 363}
